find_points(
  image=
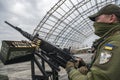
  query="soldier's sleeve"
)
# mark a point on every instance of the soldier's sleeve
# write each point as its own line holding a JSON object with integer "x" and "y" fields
{"x": 75, "y": 74}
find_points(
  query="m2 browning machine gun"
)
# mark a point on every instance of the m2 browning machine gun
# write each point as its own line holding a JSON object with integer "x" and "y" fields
{"x": 49, "y": 53}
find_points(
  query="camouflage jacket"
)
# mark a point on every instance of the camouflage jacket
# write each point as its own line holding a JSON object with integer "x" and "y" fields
{"x": 107, "y": 60}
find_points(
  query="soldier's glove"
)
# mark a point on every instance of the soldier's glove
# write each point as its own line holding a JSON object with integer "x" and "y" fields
{"x": 83, "y": 70}
{"x": 70, "y": 65}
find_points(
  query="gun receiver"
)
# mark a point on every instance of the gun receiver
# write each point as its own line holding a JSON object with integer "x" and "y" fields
{"x": 54, "y": 53}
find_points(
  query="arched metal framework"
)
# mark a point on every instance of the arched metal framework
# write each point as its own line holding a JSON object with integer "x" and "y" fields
{"x": 66, "y": 24}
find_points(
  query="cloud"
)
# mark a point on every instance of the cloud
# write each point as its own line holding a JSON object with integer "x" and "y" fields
{"x": 23, "y": 13}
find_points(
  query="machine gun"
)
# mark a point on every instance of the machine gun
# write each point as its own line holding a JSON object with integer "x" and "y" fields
{"x": 49, "y": 53}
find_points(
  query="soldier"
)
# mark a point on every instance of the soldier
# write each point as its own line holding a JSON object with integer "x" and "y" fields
{"x": 106, "y": 63}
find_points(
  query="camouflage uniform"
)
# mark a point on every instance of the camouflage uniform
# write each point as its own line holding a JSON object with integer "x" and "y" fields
{"x": 106, "y": 63}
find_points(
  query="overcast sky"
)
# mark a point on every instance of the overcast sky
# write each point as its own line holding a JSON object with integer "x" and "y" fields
{"x": 23, "y": 13}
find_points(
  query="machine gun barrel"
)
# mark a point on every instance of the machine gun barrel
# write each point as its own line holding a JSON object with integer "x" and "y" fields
{"x": 25, "y": 34}
{"x": 53, "y": 52}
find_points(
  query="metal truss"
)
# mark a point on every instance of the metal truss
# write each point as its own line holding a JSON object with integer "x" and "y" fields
{"x": 66, "y": 24}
